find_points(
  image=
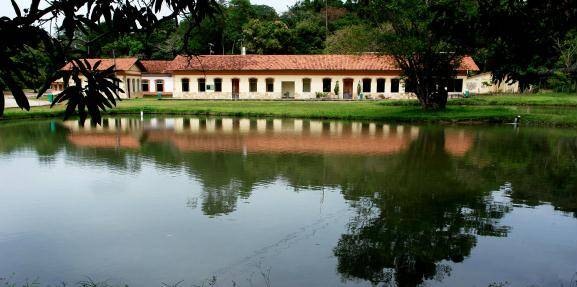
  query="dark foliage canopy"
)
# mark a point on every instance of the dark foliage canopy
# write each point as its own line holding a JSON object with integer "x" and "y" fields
{"x": 107, "y": 18}
{"x": 518, "y": 40}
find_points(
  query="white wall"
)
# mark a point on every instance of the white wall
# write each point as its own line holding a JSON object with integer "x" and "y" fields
{"x": 316, "y": 86}
{"x": 172, "y": 85}
{"x": 482, "y": 84}
{"x": 135, "y": 90}
{"x": 134, "y": 75}
{"x": 168, "y": 83}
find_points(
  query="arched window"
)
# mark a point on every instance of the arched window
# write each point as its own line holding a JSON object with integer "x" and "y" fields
{"x": 269, "y": 85}
{"x": 218, "y": 85}
{"x": 252, "y": 85}
{"x": 145, "y": 85}
{"x": 138, "y": 86}
{"x": 367, "y": 85}
{"x": 380, "y": 85}
{"x": 201, "y": 84}
{"x": 455, "y": 85}
{"x": 327, "y": 85}
{"x": 134, "y": 85}
{"x": 159, "y": 85}
{"x": 306, "y": 85}
{"x": 395, "y": 85}
{"x": 185, "y": 83}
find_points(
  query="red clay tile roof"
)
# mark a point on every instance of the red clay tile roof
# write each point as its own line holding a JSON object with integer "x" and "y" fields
{"x": 122, "y": 64}
{"x": 468, "y": 64}
{"x": 155, "y": 66}
{"x": 292, "y": 63}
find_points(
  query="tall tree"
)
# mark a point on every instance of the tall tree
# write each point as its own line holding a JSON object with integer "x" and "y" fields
{"x": 238, "y": 14}
{"x": 309, "y": 36}
{"x": 353, "y": 39}
{"x": 520, "y": 37}
{"x": 427, "y": 41}
{"x": 120, "y": 17}
{"x": 205, "y": 38}
{"x": 267, "y": 37}
{"x": 564, "y": 79}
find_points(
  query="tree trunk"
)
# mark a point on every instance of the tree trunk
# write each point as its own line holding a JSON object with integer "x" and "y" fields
{"x": 524, "y": 86}
{"x": 433, "y": 101}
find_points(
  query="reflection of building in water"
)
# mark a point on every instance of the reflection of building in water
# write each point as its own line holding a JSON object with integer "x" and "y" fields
{"x": 100, "y": 140}
{"x": 343, "y": 143}
{"x": 458, "y": 142}
{"x": 108, "y": 125}
{"x": 259, "y": 135}
{"x": 113, "y": 133}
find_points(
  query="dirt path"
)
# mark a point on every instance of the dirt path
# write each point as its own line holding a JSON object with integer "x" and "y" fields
{"x": 11, "y": 103}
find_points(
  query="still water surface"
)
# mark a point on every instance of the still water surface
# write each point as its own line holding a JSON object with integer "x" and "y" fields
{"x": 287, "y": 203}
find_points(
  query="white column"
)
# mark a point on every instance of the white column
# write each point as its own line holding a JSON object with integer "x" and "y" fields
{"x": 227, "y": 125}
{"x": 244, "y": 125}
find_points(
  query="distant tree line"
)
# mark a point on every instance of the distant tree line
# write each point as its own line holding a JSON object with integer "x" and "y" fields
{"x": 532, "y": 42}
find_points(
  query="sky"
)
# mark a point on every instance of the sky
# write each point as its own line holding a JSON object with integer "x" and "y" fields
{"x": 279, "y": 5}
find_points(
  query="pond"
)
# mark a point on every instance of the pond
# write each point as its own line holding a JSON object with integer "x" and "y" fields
{"x": 286, "y": 202}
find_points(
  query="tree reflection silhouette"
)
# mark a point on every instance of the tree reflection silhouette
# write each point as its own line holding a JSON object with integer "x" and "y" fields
{"x": 416, "y": 210}
{"x": 427, "y": 212}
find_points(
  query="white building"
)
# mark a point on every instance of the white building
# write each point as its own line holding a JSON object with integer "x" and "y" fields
{"x": 156, "y": 79}
{"x": 483, "y": 84}
{"x": 263, "y": 77}
{"x": 128, "y": 70}
{"x": 294, "y": 77}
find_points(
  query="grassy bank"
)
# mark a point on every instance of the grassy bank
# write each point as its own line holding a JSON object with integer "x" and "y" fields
{"x": 545, "y": 99}
{"x": 546, "y": 109}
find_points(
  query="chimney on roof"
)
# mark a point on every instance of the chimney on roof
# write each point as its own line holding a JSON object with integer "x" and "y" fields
{"x": 243, "y": 51}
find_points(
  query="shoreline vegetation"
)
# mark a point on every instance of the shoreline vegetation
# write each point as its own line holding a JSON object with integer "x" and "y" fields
{"x": 546, "y": 109}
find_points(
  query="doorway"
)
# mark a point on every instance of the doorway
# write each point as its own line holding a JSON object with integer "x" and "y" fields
{"x": 235, "y": 89}
{"x": 288, "y": 90}
{"x": 348, "y": 89}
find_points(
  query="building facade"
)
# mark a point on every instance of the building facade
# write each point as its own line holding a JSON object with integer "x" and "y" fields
{"x": 269, "y": 77}
{"x": 128, "y": 70}
{"x": 295, "y": 77}
{"x": 483, "y": 84}
{"x": 156, "y": 79}
{"x": 286, "y": 86}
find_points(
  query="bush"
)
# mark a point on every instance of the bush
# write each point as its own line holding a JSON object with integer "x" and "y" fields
{"x": 562, "y": 82}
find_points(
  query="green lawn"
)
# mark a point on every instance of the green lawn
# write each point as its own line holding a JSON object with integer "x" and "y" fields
{"x": 328, "y": 110}
{"x": 544, "y": 99}
{"x": 541, "y": 109}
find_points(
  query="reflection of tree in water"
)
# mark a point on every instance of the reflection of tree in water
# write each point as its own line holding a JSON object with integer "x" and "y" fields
{"x": 541, "y": 165}
{"x": 46, "y": 138}
{"x": 221, "y": 200}
{"x": 426, "y": 212}
{"x": 393, "y": 193}
{"x": 226, "y": 177}
{"x": 415, "y": 209}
